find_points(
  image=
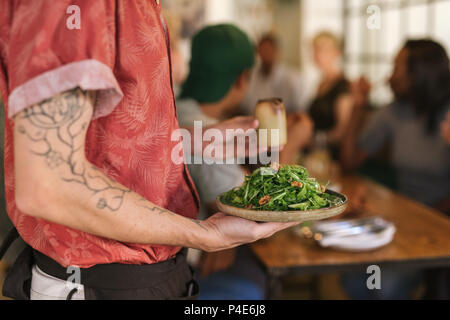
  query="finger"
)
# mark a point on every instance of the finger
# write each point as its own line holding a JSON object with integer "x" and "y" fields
{"x": 269, "y": 228}
{"x": 283, "y": 227}
{"x": 287, "y": 225}
{"x": 275, "y": 230}
{"x": 218, "y": 215}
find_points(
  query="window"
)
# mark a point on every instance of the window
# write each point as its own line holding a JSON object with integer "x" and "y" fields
{"x": 370, "y": 52}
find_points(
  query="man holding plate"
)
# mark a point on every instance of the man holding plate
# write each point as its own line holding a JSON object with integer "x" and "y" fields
{"x": 90, "y": 185}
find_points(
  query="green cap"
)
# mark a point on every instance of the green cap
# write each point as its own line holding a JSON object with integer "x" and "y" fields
{"x": 219, "y": 55}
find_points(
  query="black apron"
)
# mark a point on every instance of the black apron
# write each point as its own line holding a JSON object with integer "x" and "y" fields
{"x": 170, "y": 279}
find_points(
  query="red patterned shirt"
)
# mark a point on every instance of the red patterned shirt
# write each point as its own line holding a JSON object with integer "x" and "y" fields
{"x": 121, "y": 51}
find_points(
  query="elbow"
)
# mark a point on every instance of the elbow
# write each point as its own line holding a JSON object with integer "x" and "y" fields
{"x": 27, "y": 203}
{"x": 29, "y": 199}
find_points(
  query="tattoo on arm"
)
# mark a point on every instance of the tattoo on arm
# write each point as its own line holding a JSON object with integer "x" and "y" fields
{"x": 154, "y": 208}
{"x": 57, "y": 129}
{"x": 162, "y": 210}
{"x": 197, "y": 222}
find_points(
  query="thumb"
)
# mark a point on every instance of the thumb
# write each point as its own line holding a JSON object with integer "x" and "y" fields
{"x": 218, "y": 215}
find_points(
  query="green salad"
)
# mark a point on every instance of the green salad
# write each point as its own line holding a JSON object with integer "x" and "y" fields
{"x": 280, "y": 188}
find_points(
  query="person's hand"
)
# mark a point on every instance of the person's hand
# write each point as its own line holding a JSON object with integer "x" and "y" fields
{"x": 360, "y": 90}
{"x": 445, "y": 128}
{"x": 229, "y": 231}
{"x": 212, "y": 262}
{"x": 241, "y": 132}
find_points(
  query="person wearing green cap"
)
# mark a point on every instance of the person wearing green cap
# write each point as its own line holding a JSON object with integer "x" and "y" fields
{"x": 221, "y": 59}
{"x": 221, "y": 54}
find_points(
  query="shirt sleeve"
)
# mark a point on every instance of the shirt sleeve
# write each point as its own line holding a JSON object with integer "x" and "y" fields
{"x": 377, "y": 132}
{"x": 55, "y": 46}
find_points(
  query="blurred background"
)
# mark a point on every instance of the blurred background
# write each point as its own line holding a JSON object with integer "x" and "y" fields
{"x": 310, "y": 53}
{"x": 368, "y": 52}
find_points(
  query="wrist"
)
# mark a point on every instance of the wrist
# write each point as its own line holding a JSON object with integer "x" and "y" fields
{"x": 202, "y": 236}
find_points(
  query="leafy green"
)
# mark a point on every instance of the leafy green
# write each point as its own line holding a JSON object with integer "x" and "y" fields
{"x": 289, "y": 188}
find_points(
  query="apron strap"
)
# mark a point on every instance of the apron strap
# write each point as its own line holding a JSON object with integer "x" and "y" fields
{"x": 8, "y": 241}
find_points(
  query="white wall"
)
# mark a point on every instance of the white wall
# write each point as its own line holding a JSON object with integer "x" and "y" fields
{"x": 442, "y": 24}
{"x": 252, "y": 16}
{"x": 219, "y": 11}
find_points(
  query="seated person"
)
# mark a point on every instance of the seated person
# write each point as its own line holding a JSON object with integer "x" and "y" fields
{"x": 421, "y": 85}
{"x": 221, "y": 58}
{"x": 410, "y": 124}
{"x": 269, "y": 78}
{"x": 330, "y": 110}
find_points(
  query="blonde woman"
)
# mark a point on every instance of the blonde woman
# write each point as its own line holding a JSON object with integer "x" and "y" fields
{"x": 331, "y": 108}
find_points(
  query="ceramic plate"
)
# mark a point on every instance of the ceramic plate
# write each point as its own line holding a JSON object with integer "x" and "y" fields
{"x": 285, "y": 216}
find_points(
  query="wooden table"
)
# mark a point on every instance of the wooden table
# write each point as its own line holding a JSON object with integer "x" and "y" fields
{"x": 422, "y": 239}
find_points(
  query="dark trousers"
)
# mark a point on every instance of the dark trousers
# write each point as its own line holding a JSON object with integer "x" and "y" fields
{"x": 170, "y": 279}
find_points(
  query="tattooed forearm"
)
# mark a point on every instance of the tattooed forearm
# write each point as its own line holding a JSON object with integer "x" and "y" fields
{"x": 198, "y": 222}
{"x": 162, "y": 210}
{"x": 156, "y": 209}
{"x": 57, "y": 129}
